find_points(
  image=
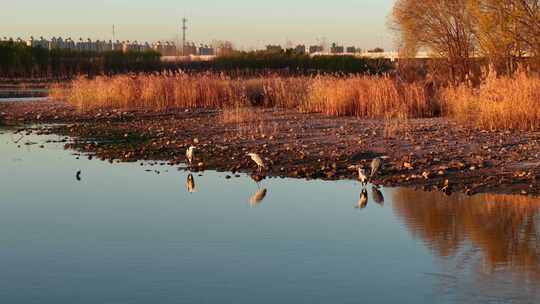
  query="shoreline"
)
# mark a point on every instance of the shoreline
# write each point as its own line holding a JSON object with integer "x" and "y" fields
{"x": 422, "y": 153}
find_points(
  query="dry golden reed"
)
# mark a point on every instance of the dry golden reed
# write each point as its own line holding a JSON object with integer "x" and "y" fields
{"x": 509, "y": 102}
{"x": 361, "y": 96}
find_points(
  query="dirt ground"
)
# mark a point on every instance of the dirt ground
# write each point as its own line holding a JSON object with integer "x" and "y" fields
{"x": 420, "y": 153}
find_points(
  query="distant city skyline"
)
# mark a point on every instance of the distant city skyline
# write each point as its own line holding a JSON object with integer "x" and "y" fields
{"x": 245, "y": 23}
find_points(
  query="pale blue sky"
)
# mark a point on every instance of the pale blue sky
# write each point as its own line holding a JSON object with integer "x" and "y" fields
{"x": 247, "y": 23}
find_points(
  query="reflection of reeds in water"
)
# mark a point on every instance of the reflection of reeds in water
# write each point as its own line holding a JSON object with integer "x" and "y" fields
{"x": 503, "y": 227}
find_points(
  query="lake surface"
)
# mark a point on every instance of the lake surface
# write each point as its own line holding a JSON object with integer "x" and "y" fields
{"x": 125, "y": 234}
{"x": 15, "y": 99}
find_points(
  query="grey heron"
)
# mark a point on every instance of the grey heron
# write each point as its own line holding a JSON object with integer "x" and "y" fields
{"x": 190, "y": 154}
{"x": 258, "y": 160}
{"x": 376, "y": 165}
{"x": 362, "y": 176}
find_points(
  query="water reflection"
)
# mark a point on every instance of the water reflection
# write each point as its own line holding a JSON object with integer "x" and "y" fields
{"x": 258, "y": 197}
{"x": 190, "y": 183}
{"x": 363, "y": 200}
{"x": 377, "y": 195}
{"x": 502, "y": 229}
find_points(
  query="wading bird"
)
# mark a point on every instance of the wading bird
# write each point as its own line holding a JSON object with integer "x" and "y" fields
{"x": 190, "y": 183}
{"x": 376, "y": 165}
{"x": 362, "y": 202}
{"x": 258, "y": 160}
{"x": 362, "y": 176}
{"x": 190, "y": 154}
{"x": 377, "y": 195}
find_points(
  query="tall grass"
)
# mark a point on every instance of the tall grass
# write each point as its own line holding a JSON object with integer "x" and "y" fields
{"x": 361, "y": 96}
{"x": 508, "y": 102}
{"x": 371, "y": 97}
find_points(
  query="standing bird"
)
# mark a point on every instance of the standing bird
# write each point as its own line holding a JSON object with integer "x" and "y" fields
{"x": 190, "y": 154}
{"x": 376, "y": 165}
{"x": 190, "y": 183}
{"x": 258, "y": 160}
{"x": 362, "y": 176}
{"x": 362, "y": 202}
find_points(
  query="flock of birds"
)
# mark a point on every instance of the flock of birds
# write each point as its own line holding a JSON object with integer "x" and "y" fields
{"x": 364, "y": 178}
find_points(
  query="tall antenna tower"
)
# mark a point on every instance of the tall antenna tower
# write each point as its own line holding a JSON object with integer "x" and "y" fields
{"x": 184, "y": 29}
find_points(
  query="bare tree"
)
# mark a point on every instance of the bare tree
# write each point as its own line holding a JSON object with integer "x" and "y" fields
{"x": 443, "y": 27}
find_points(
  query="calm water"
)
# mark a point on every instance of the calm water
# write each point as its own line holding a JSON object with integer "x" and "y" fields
{"x": 125, "y": 235}
{"x": 14, "y": 99}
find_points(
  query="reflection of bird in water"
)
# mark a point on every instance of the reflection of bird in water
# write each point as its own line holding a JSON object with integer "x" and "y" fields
{"x": 190, "y": 154}
{"x": 257, "y": 159}
{"x": 376, "y": 165}
{"x": 258, "y": 197}
{"x": 377, "y": 195}
{"x": 78, "y": 175}
{"x": 362, "y": 202}
{"x": 190, "y": 183}
{"x": 362, "y": 176}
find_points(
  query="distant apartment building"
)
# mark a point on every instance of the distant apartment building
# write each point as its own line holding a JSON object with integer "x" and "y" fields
{"x": 205, "y": 50}
{"x": 224, "y": 49}
{"x": 337, "y": 49}
{"x": 300, "y": 49}
{"x": 351, "y": 50}
{"x": 41, "y": 42}
{"x": 84, "y": 45}
{"x": 190, "y": 49}
{"x": 274, "y": 48}
{"x": 316, "y": 49}
{"x": 11, "y": 40}
{"x": 165, "y": 48}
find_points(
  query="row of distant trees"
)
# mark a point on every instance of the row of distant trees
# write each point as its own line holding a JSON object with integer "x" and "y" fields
{"x": 295, "y": 62}
{"x": 501, "y": 31}
{"x": 21, "y": 61}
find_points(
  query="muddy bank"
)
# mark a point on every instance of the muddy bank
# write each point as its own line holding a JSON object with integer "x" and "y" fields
{"x": 422, "y": 153}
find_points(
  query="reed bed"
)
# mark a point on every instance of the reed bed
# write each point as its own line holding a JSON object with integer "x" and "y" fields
{"x": 509, "y": 102}
{"x": 361, "y": 96}
{"x": 370, "y": 97}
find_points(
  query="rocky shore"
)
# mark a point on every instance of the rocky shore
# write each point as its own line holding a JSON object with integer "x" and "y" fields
{"x": 420, "y": 153}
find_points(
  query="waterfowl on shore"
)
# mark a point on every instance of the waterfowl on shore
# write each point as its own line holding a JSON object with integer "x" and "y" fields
{"x": 376, "y": 165}
{"x": 447, "y": 189}
{"x": 257, "y": 159}
{"x": 362, "y": 176}
{"x": 190, "y": 154}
